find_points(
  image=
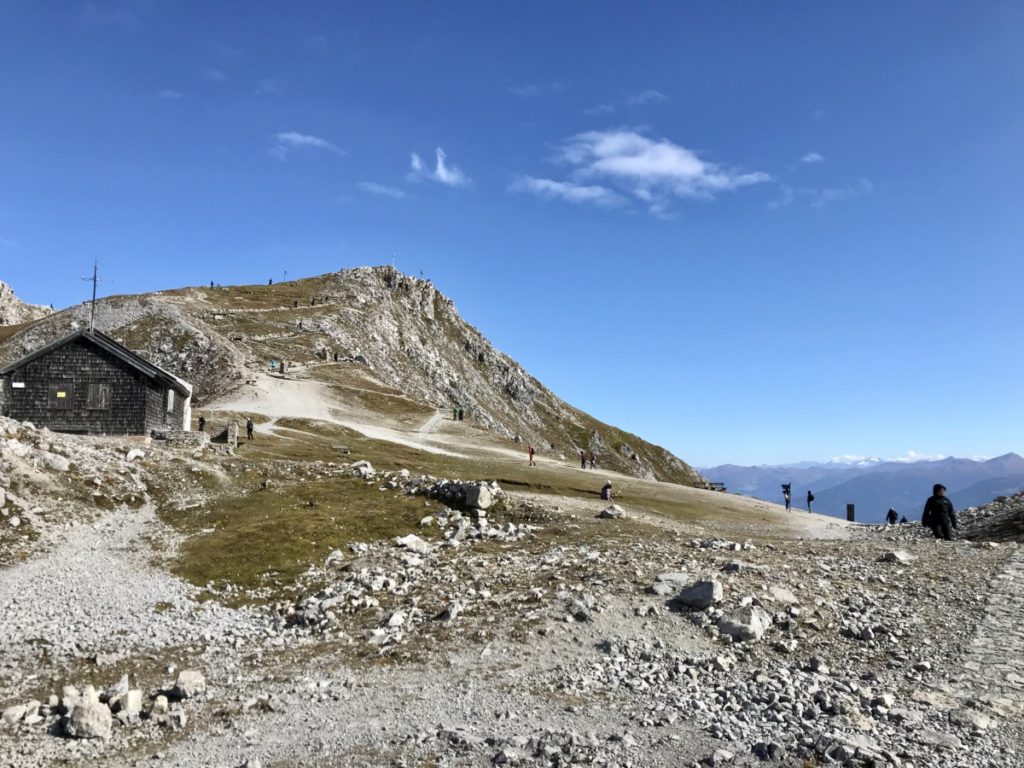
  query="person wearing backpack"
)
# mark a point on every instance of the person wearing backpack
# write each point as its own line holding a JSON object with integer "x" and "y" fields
{"x": 939, "y": 514}
{"x": 810, "y": 498}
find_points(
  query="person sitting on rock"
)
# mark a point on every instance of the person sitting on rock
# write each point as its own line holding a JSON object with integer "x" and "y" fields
{"x": 606, "y": 491}
{"x": 939, "y": 514}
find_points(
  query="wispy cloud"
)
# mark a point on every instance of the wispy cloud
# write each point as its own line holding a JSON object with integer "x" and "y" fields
{"x": 601, "y": 109}
{"x": 373, "y": 188}
{"x": 812, "y": 157}
{"x": 567, "y": 191}
{"x": 7, "y": 242}
{"x": 291, "y": 141}
{"x": 530, "y": 90}
{"x": 823, "y": 197}
{"x": 444, "y": 172}
{"x": 785, "y": 199}
{"x": 168, "y": 95}
{"x": 649, "y": 96}
{"x": 116, "y": 13}
{"x": 215, "y": 75}
{"x": 270, "y": 86}
{"x": 652, "y": 171}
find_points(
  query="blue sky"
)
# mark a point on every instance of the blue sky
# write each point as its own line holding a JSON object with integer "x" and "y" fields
{"x": 750, "y": 232}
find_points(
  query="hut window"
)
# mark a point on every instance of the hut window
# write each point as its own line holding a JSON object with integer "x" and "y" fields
{"x": 98, "y": 396}
{"x": 61, "y": 394}
{"x": 170, "y": 401}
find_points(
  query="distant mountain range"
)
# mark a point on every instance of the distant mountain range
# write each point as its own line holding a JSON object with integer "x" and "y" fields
{"x": 874, "y": 485}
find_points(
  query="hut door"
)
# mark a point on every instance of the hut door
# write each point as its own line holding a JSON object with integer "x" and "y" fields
{"x": 61, "y": 394}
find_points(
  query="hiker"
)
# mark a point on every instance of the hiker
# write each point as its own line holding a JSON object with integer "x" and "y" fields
{"x": 939, "y": 514}
{"x": 606, "y": 491}
{"x": 810, "y": 499}
{"x": 455, "y": 413}
{"x": 211, "y": 283}
{"x": 270, "y": 281}
{"x": 295, "y": 304}
{"x": 583, "y": 459}
{"x": 787, "y": 495}
{"x": 529, "y": 451}
{"x": 202, "y": 423}
{"x": 462, "y": 414}
{"x": 248, "y": 427}
{"x": 903, "y": 520}
{"x": 593, "y": 460}
{"x": 890, "y": 516}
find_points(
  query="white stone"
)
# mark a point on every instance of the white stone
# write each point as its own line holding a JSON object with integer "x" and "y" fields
{"x": 479, "y": 497}
{"x": 898, "y": 556}
{"x": 748, "y": 623}
{"x": 413, "y": 543}
{"x": 13, "y": 714}
{"x": 190, "y": 683}
{"x": 89, "y": 720}
{"x": 135, "y": 453}
{"x": 612, "y": 512}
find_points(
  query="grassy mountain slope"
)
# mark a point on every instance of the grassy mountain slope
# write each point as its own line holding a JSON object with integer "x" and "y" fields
{"x": 395, "y": 337}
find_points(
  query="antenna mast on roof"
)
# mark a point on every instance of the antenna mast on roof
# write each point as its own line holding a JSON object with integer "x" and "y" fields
{"x": 94, "y": 279}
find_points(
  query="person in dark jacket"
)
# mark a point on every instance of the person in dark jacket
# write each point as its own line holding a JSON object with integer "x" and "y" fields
{"x": 810, "y": 500}
{"x": 891, "y": 516}
{"x": 939, "y": 514}
{"x": 606, "y": 491}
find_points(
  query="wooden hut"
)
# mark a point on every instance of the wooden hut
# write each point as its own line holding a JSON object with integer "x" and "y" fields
{"x": 88, "y": 383}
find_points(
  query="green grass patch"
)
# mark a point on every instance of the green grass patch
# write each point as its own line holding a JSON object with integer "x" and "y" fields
{"x": 266, "y": 538}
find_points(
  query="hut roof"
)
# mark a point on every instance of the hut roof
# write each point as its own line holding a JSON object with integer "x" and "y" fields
{"x": 104, "y": 342}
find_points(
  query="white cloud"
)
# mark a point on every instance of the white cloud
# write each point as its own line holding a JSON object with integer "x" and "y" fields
{"x": 538, "y": 89}
{"x": 168, "y": 95}
{"x": 215, "y": 75}
{"x": 650, "y": 96}
{"x": 784, "y": 200}
{"x": 823, "y": 197}
{"x": 812, "y": 157}
{"x": 270, "y": 86}
{"x": 913, "y": 456}
{"x": 568, "y": 191}
{"x": 381, "y": 189}
{"x": 601, "y": 109}
{"x": 654, "y": 171}
{"x": 443, "y": 173}
{"x": 291, "y": 141}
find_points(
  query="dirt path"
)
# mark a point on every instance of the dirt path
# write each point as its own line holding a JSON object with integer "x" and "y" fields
{"x": 280, "y": 397}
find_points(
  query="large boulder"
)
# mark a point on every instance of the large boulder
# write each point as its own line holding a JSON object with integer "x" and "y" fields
{"x": 668, "y": 583}
{"x": 413, "y": 543}
{"x": 479, "y": 496}
{"x": 613, "y": 512}
{"x": 90, "y": 719}
{"x": 701, "y": 594}
{"x": 747, "y": 623}
{"x": 190, "y": 683}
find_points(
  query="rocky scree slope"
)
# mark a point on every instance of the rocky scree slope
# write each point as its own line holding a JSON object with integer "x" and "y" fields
{"x": 14, "y": 311}
{"x": 398, "y": 329}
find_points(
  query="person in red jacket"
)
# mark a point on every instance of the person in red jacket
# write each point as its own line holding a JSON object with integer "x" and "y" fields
{"x": 529, "y": 451}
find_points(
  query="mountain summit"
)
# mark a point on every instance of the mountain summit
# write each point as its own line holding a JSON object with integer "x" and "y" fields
{"x": 388, "y": 337}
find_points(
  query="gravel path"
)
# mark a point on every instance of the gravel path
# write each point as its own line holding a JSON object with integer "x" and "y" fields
{"x": 98, "y": 593}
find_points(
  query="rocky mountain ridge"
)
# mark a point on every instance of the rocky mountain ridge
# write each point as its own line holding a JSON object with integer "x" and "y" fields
{"x": 372, "y": 321}
{"x": 14, "y": 311}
